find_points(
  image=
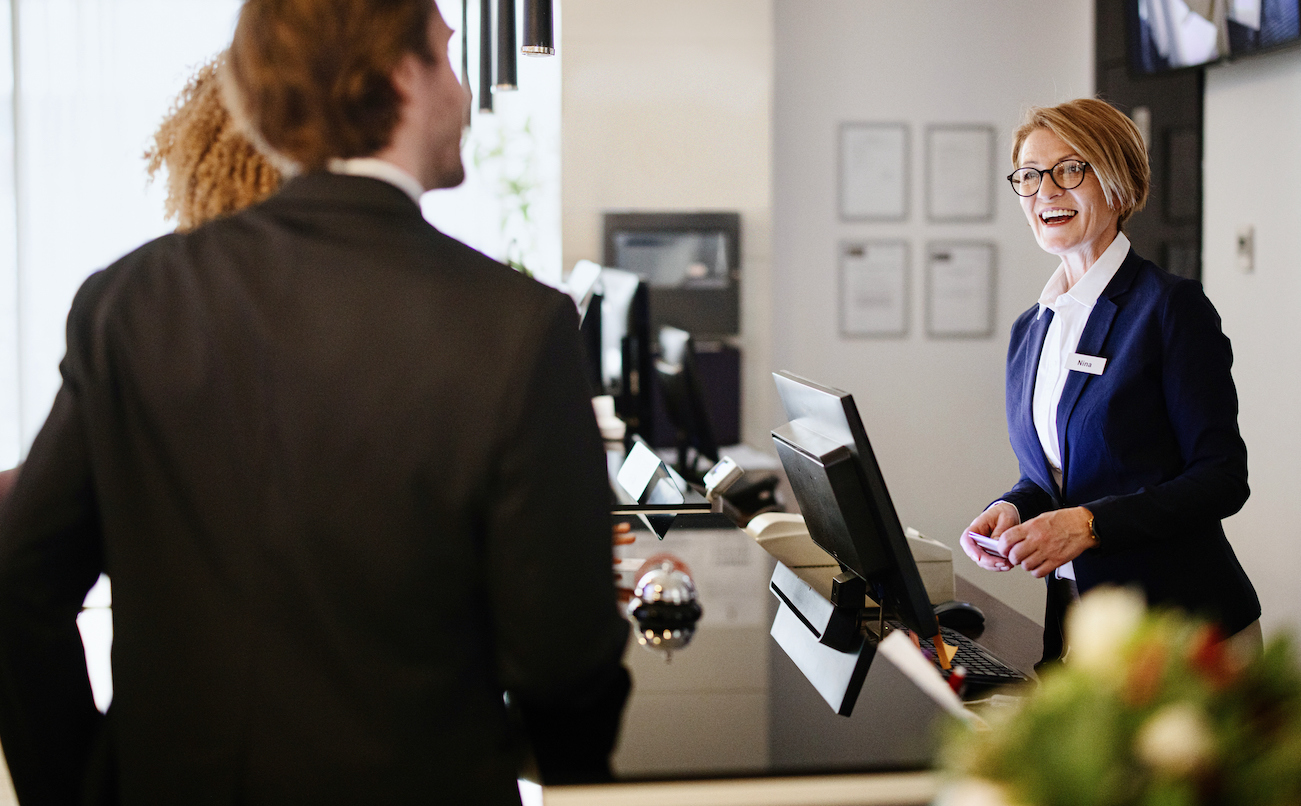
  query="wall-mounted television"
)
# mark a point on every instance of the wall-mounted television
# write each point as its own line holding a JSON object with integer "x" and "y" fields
{"x": 1258, "y": 25}
{"x": 1167, "y": 35}
{"x": 691, "y": 263}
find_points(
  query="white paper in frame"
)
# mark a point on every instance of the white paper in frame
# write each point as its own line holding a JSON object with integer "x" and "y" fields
{"x": 873, "y": 171}
{"x": 874, "y": 288}
{"x": 960, "y": 289}
{"x": 959, "y": 173}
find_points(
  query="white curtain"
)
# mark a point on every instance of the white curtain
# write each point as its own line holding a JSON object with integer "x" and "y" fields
{"x": 93, "y": 78}
{"x": 10, "y": 438}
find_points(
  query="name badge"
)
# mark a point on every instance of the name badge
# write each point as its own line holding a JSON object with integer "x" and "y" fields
{"x": 1079, "y": 362}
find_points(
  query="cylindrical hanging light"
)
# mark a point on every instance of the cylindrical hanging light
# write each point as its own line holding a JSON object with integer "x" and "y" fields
{"x": 465, "y": 59}
{"x": 485, "y": 55}
{"x": 539, "y": 33}
{"x": 506, "y": 46}
{"x": 465, "y": 44}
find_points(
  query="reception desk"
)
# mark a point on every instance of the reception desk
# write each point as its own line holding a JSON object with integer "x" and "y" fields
{"x": 734, "y": 717}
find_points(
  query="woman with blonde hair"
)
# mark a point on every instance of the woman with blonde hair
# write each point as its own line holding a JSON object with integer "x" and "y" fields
{"x": 1121, "y": 406}
{"x": 212, "y": 169}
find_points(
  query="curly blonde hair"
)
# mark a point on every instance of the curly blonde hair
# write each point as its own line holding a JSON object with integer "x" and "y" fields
{"x": 212, "y": 169}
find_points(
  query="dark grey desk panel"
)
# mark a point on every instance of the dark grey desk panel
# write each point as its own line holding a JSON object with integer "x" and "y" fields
{"x": 732, "y": 704}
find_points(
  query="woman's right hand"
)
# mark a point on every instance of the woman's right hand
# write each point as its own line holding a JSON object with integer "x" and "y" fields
{"x": 995, "y": 520}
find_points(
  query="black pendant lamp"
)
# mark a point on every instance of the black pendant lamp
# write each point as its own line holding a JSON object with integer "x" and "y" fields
{"x": 465, "y": 44}
{"x": 465, "y": 59}
{"x": 485, "y": 55}
{"x": 539, "y": 33}
{"x": 506, "y": 79}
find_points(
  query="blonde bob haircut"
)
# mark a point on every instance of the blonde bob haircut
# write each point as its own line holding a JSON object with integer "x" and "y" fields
{"x": 1104, "y": 138}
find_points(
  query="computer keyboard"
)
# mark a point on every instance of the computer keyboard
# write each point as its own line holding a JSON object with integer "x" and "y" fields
{"x": 984, "y": 671}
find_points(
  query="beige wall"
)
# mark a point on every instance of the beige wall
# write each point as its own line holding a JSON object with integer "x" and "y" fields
{"x": 933, "y": 408}
{"x": 667, "y": 106}
{"x": 1253, "y": 133}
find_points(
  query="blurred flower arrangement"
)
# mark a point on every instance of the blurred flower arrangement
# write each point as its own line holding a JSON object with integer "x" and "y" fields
{"x": 1152, "y": 709}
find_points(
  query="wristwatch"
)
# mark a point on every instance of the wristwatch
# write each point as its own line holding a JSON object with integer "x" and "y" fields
{"x": 1093, "y": 533}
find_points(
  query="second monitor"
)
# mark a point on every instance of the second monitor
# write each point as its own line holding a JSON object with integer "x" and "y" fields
{"x": 842, "y": 494}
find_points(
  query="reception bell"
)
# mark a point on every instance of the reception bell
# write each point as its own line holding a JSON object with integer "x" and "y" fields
{"x": 665, "y": 606}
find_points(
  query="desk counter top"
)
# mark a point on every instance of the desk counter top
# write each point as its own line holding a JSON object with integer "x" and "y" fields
{"x": 732, "y": 705}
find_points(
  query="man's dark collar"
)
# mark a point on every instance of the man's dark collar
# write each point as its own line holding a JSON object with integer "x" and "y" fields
{"x": 323, "y": 187}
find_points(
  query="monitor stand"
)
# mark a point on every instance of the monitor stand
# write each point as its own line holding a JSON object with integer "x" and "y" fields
{"x": 823, "y": 638}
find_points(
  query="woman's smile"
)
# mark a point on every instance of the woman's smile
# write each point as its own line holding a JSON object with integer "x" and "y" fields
{"x": 1076, "y": 224}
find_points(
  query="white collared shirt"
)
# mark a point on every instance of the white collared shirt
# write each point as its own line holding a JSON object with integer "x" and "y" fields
{"x": 382, "y": 170}
{"x": 1071, "y": 309}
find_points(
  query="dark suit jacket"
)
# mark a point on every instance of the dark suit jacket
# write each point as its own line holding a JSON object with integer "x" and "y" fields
{"x": 1150, "y": 446}
{"x": 344, "y": 475}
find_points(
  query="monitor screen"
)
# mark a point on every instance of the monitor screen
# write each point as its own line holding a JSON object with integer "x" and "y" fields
{"x": 625, "y": 351}
{"x": 1173, "y": 34}
{"x": 690, "y": 263}
{"x": 684, "y": 401}
{"x": 1258, "y": 25}
{"x": 842, "y": 495}
{"x": 675, "y": 259}
{"x": 1170, "y": 34}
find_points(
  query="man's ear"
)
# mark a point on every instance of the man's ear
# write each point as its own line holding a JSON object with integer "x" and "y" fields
{"x": 406, "y": 77}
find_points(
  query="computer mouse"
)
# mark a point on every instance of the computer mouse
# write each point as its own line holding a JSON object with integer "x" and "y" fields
{"x": 959, "y": 615}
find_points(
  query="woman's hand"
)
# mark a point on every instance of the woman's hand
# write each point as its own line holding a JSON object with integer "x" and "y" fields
{"x": 994, "y": 521}
{"x": 623, "y": 536}
{"x": 1042, "y": 545}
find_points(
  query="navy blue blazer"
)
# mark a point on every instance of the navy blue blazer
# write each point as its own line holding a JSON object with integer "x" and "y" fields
{"x": 1150, "y": 446}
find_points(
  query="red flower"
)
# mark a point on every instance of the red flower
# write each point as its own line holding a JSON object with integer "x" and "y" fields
{"x": 1207, "y": 654}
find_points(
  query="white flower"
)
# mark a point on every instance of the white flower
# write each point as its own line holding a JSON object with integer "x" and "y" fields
{"x": 974, "y": 792}
{"x": 1176, "y": 739}
{"x": 1098, "y": 628}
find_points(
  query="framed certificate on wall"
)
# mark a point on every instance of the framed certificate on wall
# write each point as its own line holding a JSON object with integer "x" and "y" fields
{"x": 874, "y": 288}
{"x": 873, "y": 171}
{"x": 960, "y": 173}
{"x": 959, "y": 289}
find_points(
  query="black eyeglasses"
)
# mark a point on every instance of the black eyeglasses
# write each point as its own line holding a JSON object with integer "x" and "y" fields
{"x": 1067, "y": 175}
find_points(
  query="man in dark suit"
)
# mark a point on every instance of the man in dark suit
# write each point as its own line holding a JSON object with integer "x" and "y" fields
{"x": 341, "y": 470}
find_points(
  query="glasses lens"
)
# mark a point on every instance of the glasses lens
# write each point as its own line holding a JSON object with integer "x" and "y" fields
{"x": 1068, "y": 174}
{"x": 1025, "y": 181}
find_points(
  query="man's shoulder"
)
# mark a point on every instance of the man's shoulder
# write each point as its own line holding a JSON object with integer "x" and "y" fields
{"x": 503, "y": 286}
{"x": 105, "y": 283}
{"x": 345, "y": 198}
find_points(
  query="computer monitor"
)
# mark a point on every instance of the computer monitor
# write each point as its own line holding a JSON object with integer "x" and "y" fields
{"x": 684, "y": 401}
{"x": 690, "y": 261}
{"x": 842, "y": 495}
{"x": 589, "y": 333}
{"x": 626, "y": 349}
{"x": 1161, "y": 39}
